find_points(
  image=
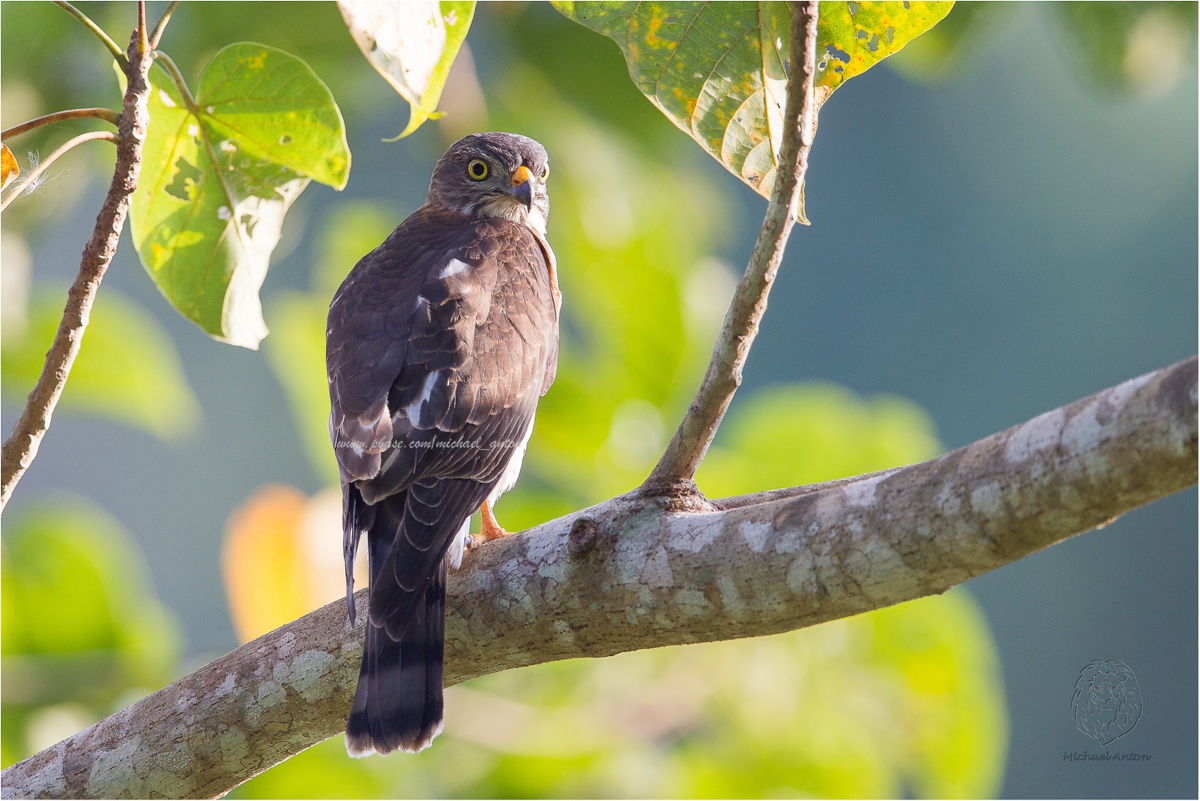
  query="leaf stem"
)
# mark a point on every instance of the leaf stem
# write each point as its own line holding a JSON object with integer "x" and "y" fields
{"x": 41, "y": 168}
{"x": 161, "y": 27}
{"x": 686, "y": 450}
{"x": 106, "y": 114}
{"x": 177, "y": 76}
{"x": 112, "y": 46}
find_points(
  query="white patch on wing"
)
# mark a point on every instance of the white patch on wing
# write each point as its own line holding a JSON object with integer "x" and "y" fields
{"x": 413, "y": 410}
{"x": 508, "y": 479}
{"x": 453, "y": 268}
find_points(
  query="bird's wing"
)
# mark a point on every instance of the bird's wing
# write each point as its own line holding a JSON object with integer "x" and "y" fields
{"x": 437, "y": 352}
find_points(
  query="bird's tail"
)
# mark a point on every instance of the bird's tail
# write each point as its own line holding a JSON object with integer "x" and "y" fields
{"x": 398, "y": 703}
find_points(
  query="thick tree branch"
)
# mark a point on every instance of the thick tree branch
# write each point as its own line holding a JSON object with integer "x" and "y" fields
{"x": 106, "y": 114}
{"x": 687, "y": 448}
{"x": 628, "y": 574}
{"x": 22, "y": 445}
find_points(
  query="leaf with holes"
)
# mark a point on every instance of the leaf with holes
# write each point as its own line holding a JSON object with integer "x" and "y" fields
{"x": 719, "y": 70}
{"x": 412, "y": 45}
{"x": 218, "y": 178}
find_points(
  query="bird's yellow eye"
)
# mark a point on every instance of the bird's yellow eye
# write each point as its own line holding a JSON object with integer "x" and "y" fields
{"x": 545, "y": 173}
{"x": 477, "y": 169}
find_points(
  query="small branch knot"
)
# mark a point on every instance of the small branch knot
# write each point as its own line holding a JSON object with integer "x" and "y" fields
{"x": 582, "y": 537}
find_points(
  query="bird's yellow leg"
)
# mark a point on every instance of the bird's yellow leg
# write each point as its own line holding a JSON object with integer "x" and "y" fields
{"x": 489, "y": 529}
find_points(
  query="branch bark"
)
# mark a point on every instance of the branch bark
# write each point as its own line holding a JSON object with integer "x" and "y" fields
{"x": 630, "y": 573}
{"x": 686, "y": 450}
{"x": 21, "y": 447}
{"x": 106, "y": 114}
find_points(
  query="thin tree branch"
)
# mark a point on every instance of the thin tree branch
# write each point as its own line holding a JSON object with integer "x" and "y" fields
{"x": 106, "y": 114}
{"x": 21, "y": 447}
{"x": 687, "y": 448}
{"x": 161, "y": 27}
{"x": 112, "y": 46}
{"x": 629, "y": 574}
{"x": 44, "y": 165}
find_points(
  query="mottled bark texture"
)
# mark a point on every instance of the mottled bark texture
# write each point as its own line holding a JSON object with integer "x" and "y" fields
{"x": 626, "y": 574}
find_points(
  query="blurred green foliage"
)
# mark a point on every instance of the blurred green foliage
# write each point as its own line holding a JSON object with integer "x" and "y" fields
{"x": 83, "y": 634}
{"x": 1129, "y": 47}
{"x": 127, "y": 369}
{"x": 902, "y": 701}
{"x": 796, "y": 434}
{"x": 1118, "y": 47}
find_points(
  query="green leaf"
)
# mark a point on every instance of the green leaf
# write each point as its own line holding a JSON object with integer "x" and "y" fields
{"x": 218, "y": 178}
{"x": 719, "y": 70}
{"x": 412, "y": 45}
{"x": 127, "y": 368}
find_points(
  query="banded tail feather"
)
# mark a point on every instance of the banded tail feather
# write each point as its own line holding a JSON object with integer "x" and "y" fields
{"x": 398, "y": 703}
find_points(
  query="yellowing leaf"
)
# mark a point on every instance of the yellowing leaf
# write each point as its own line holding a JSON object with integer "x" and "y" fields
{"x": 719, "y": 70}
{"x": 263, "y": 568}
{"x": 282, "y": 558}
{"x": 412, "y": 45}
{"x": 9, "y": 169}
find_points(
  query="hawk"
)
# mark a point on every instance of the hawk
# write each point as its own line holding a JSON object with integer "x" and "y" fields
{"x": 440, "y": 342}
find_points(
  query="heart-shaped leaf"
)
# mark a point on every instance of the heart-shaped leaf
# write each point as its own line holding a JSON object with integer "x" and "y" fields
{"x": 412, "y": 44}
{"x": 217, "y": 179}
{"x": 719, "y": 70}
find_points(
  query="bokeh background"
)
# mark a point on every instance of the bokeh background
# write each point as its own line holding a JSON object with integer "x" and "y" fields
{"x": 1004, "y": 220}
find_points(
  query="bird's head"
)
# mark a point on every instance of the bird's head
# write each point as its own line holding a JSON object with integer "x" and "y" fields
{"x": 494, "y": 175}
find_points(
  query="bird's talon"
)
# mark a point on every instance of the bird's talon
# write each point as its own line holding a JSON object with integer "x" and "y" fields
{"x": 489, "y": 529}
